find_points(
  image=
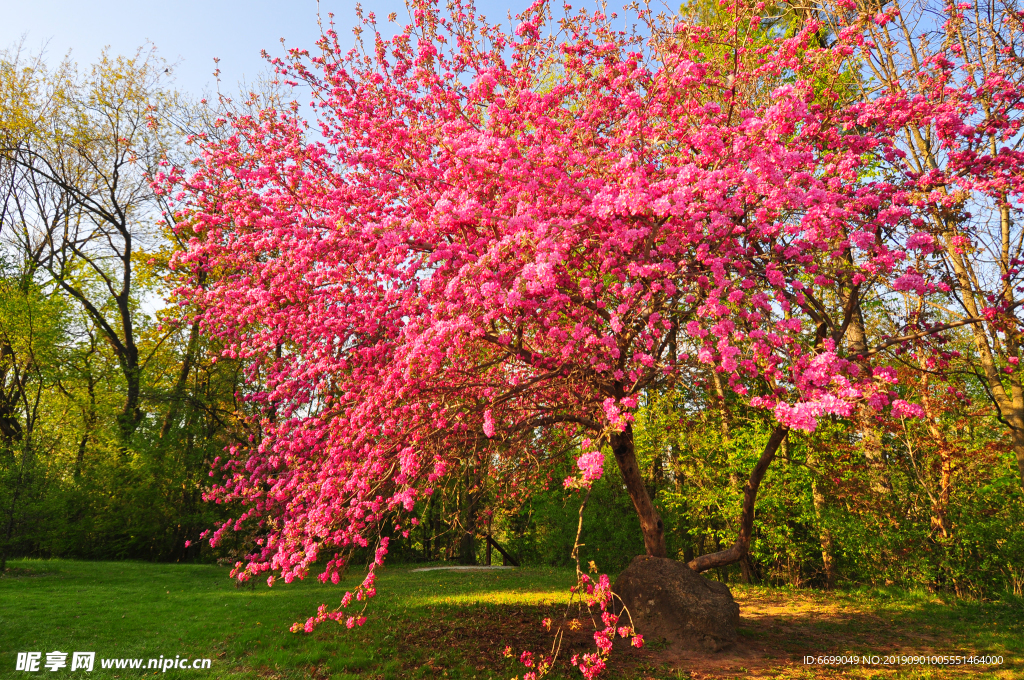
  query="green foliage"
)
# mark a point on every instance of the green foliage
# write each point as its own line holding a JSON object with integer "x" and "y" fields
{"x": 610, "y": 536}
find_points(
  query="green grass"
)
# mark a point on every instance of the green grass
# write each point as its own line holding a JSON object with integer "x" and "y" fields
{"x": 141, "y": 610}
{"x": 455, "y": 625}
{"x": 995, "y": 627}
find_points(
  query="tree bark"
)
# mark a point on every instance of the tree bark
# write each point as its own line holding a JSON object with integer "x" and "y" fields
{"x": 650, "y": 521}
{"x": 940, "y": 501}
{"x": 1017, "y": 441}
{"x": 467, "y": 543}
{"x": 740, "y": 547}
{"x": 1009, "y": 403}
{"x": 10, "y": 427}
{"x": 857, "y": 345}
{"x": 179, "y": 388}
{"x": 725, "y": 424}
{"x": 428, "y": 526}
{"x": 824, "y": 535}
{"x": 89, "y": 420}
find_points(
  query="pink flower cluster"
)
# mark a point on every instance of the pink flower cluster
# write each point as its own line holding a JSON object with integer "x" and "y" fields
{"x": 591, "y": 466}
{"x": 364, "y": 591}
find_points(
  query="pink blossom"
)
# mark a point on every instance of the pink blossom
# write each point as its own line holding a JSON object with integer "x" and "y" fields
{"x": 903, "y": 409}
{"x": 603, "y": 640}
{"x": 911, "y": 281}
{"x": 863, "y": 239}
{"x": 591, "y": 465}
{"x": 922, "y": 241}
{"x": 591, "y": 665}
{"x": 804, "y": 415}
{"x": 488, "y": 423}
{"x": 885, "y": 374}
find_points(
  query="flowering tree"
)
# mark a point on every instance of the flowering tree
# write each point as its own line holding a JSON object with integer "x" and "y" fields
{"x": 945, "y": 82}
{"x": 489, "y": 239}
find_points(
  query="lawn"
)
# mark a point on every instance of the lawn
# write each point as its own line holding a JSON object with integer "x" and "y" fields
{"x": 455, "y": 625}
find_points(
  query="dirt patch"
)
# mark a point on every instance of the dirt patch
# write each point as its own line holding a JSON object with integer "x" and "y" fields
{"x": 777, "y": 630}
{"x": 19, "y": 572}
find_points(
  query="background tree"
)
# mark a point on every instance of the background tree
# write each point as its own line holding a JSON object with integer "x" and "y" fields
{"x": 90, "y": 146}
{"x": 132, "y": 411}
{"x": 948, "y": 83}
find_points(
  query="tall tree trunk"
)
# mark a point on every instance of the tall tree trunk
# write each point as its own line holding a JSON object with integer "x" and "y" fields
{"x": 428, "y": 526}
{"x": 680, "y": 485}
{"x": 1017, "y": 442}
{"x": 10, "y": 426}
{"x": 474, "y": 492}
{"x": 871, "y": 439}
{"x": 679, "y": 480}
{"x": 131, "y": 415}
{"x": 940, "y": 516}
{"x": 89, "y": 420}
{"x": 650, "y": 521}
{"x": 11, "y": 510}
{"x": 735, "y": 479}
{"x": 723, "y": 409}
{"x": 179, "y": 388}
{"x": 940, "y": 501}
{"x": 1009, "y": 403}
{"x": 824, "y": 535}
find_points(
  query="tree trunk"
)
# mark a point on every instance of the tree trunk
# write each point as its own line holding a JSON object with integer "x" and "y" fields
{"x": 747, "y": 574}
{"x": 680, "y": 485}
{"x": 9, "y": 532}
{"x": 746, "y": 568}
{"x": 1017, "y": 441}
{"x": 650, "y": 521}
{"x": 1009, "y": 403}
{"x": 871, "y": 439}
{"x": 824, "y": 535}
{"x": 89, "y": 421}
{"x": 10, "y": 427}
{"x": 940, "y": 518}
{"x": 739, "y": 549}
{"x": 179, "y": 388}
{"x": 131, "y": 415}
{"x": 467, "y": 544}
{"x": 427, "y": 525}
{"x": 940, "y": 501}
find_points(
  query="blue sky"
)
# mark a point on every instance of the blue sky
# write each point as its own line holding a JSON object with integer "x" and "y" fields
{"x": 191, "y": 32}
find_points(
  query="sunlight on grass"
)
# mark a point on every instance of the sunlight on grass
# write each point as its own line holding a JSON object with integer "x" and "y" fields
{"x": 493, "y": 597}
{"x": 433, "y": 624}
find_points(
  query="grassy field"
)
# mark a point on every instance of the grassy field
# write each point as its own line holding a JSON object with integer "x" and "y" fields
{"x": 455, "y": 625}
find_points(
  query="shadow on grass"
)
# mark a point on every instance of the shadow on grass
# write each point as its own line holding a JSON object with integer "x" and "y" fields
{"x": 457, "y": 625}
{"x": 779, "y": 628}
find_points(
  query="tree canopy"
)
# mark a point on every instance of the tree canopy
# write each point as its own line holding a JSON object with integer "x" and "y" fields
{"x": 489, "y": 242}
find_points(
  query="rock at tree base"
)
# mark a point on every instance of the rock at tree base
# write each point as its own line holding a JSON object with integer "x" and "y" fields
{"x": 669, "y": 600}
